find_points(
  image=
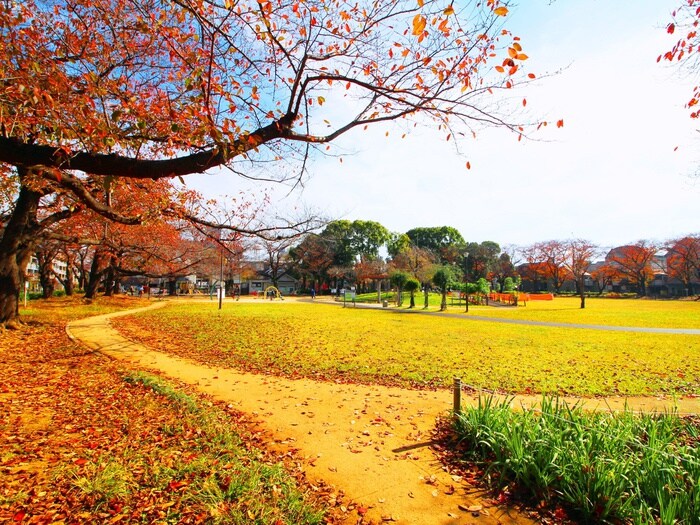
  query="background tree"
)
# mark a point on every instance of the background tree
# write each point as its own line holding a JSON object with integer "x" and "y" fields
{"x": 548, "y": 260}
{"x": 399, "y": 278}
{"x": 420, "y": 263}
{"x": 444, "y": 278}
{"x": 411, "y": 285}
{"x": 444, "y": 241}
{"x": 366, "y": 238}
{"x": 683, "y": 261}
{"x": 277, "y": 258}
{"x": 633, "y": 263}
{"x": 398, "y": 243}
{"x": 313, "y": 257}
{"x": 578, "y": 260}
{"x": 90, "y": 94}
{"x": 482, "y": 260}
{"x": 372, "y": 271}
{"x": 504, "y": 269}
{"x": 603, "y": 274}
{"x": 338, "y": 235}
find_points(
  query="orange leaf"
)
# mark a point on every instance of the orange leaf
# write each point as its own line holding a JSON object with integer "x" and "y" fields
{"x": 469, "y": 165}
{"x": 321, "y": 100}
{"x": 499, "y": 69}
{"x": 420, "y": 3}
{"x": 530, "y": 75}
{"x": 670, "y": 28}
{"x": 560, "y": 123}
{"x": 418, "y": 24}
{"x": 501, "y": 11}
{"x": 521, "y": 56}
{"x": 449, "y": 11}
{"x": 524, "y": 102}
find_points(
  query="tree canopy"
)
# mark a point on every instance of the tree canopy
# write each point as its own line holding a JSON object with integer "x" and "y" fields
{"x": 95, "y": 93}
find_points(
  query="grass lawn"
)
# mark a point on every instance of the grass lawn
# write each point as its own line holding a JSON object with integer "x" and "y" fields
{"x": 617, "y": 312}
{"x": 599, "y": 310}
{"x": 390, "y": 347}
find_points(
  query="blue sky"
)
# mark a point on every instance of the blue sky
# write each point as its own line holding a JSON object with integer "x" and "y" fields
{"x": 611, "y": 175}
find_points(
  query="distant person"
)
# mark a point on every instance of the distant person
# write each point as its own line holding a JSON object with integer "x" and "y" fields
{"x": 313, "y": 293}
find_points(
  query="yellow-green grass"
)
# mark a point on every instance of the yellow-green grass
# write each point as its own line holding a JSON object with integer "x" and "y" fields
{"x": 391, "y": 347}
{"x": 602, "y": 311}
{"x": 76, "y": 307}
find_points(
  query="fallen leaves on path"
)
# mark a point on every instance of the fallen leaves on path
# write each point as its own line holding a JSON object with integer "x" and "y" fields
{"x": 79, "y": 444}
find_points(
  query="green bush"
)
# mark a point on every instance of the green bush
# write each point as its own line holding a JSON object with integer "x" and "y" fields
{"x": 601, "y": 466}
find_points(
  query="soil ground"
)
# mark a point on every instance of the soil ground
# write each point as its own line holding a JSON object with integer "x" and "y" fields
{"x": 372, "y": 443}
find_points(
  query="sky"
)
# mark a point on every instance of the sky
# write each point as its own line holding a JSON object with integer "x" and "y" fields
{"x": 622, "y": 168}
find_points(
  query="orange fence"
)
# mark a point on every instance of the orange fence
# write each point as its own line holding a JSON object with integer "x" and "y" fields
{"x": 520, "y": 298}
{"x": 541, "y": 297}
{"x": 507, "y": 298}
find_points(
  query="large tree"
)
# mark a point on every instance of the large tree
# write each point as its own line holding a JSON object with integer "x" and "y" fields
{"x": 444, "y": 241}
{"x": 685, "y": 51}
{"x": 683, "y": 261}
{"x": 579, "y": 254}
{"x": 633, "y": 263}
{"x": 147, "y": 89}
{"x": 548, "y": 259}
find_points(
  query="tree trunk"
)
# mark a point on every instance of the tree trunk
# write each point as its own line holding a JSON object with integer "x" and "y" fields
{"x": 443, "y": 302}
{"x": 69, "y": 284}
{"x": 46, "y": 280}
{"x": 15, "y": 250}
{"x": 582, "y": 291}
{"x": 109, "y": 280}
{"x": 413, "y": 299}
{"x": 426, "y": 297}
{"x": 9, "y": 288}
{"x": 94, "y": 277}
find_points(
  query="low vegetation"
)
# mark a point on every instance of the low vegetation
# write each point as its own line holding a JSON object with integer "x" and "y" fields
{"x": 592, "y": 467}
{"x": 392, "y": 347}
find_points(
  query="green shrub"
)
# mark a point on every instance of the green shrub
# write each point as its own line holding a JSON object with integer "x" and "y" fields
{"x": 602, "y": 466}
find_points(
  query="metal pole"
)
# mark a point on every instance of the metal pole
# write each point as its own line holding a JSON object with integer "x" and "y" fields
{"x": 221, "y": 279}
{"x": 457, "y": 396}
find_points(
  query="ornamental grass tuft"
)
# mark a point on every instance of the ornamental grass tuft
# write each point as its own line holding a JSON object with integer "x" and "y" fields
{"x": 601, "y": 466}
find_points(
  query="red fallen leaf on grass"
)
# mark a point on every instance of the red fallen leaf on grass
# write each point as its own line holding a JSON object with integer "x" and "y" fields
{"x": 80, "y": 461}
{"x": 175, "y": 485}
{"x": 19, "y": 516}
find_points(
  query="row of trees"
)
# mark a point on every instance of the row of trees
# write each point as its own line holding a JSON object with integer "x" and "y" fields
{"x": 634, "y": 264}
{"x": 349, "y": 251}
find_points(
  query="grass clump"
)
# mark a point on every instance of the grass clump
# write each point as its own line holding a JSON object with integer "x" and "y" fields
{"x": 218, "y": 473}
{"x": 599, "y": 466}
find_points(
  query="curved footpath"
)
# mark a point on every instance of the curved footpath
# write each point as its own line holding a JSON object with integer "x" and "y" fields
{"x": 371, "y": 443}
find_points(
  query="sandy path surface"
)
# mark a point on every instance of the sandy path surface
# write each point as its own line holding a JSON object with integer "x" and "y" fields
{"x": 371, "y": 443}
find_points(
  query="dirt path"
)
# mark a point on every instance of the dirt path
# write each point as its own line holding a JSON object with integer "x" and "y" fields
{"x": 372, "y": 443}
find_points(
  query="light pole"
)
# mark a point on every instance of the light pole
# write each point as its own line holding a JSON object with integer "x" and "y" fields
{"x": 466, "y": 282}
{"x": 221, "y": 279}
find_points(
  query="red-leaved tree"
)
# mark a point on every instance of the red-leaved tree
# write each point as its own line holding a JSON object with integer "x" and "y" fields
{"x": 148, "y": 90}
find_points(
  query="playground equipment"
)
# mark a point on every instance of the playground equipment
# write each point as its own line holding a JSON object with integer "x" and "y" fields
{"x": 272, "y": 293}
